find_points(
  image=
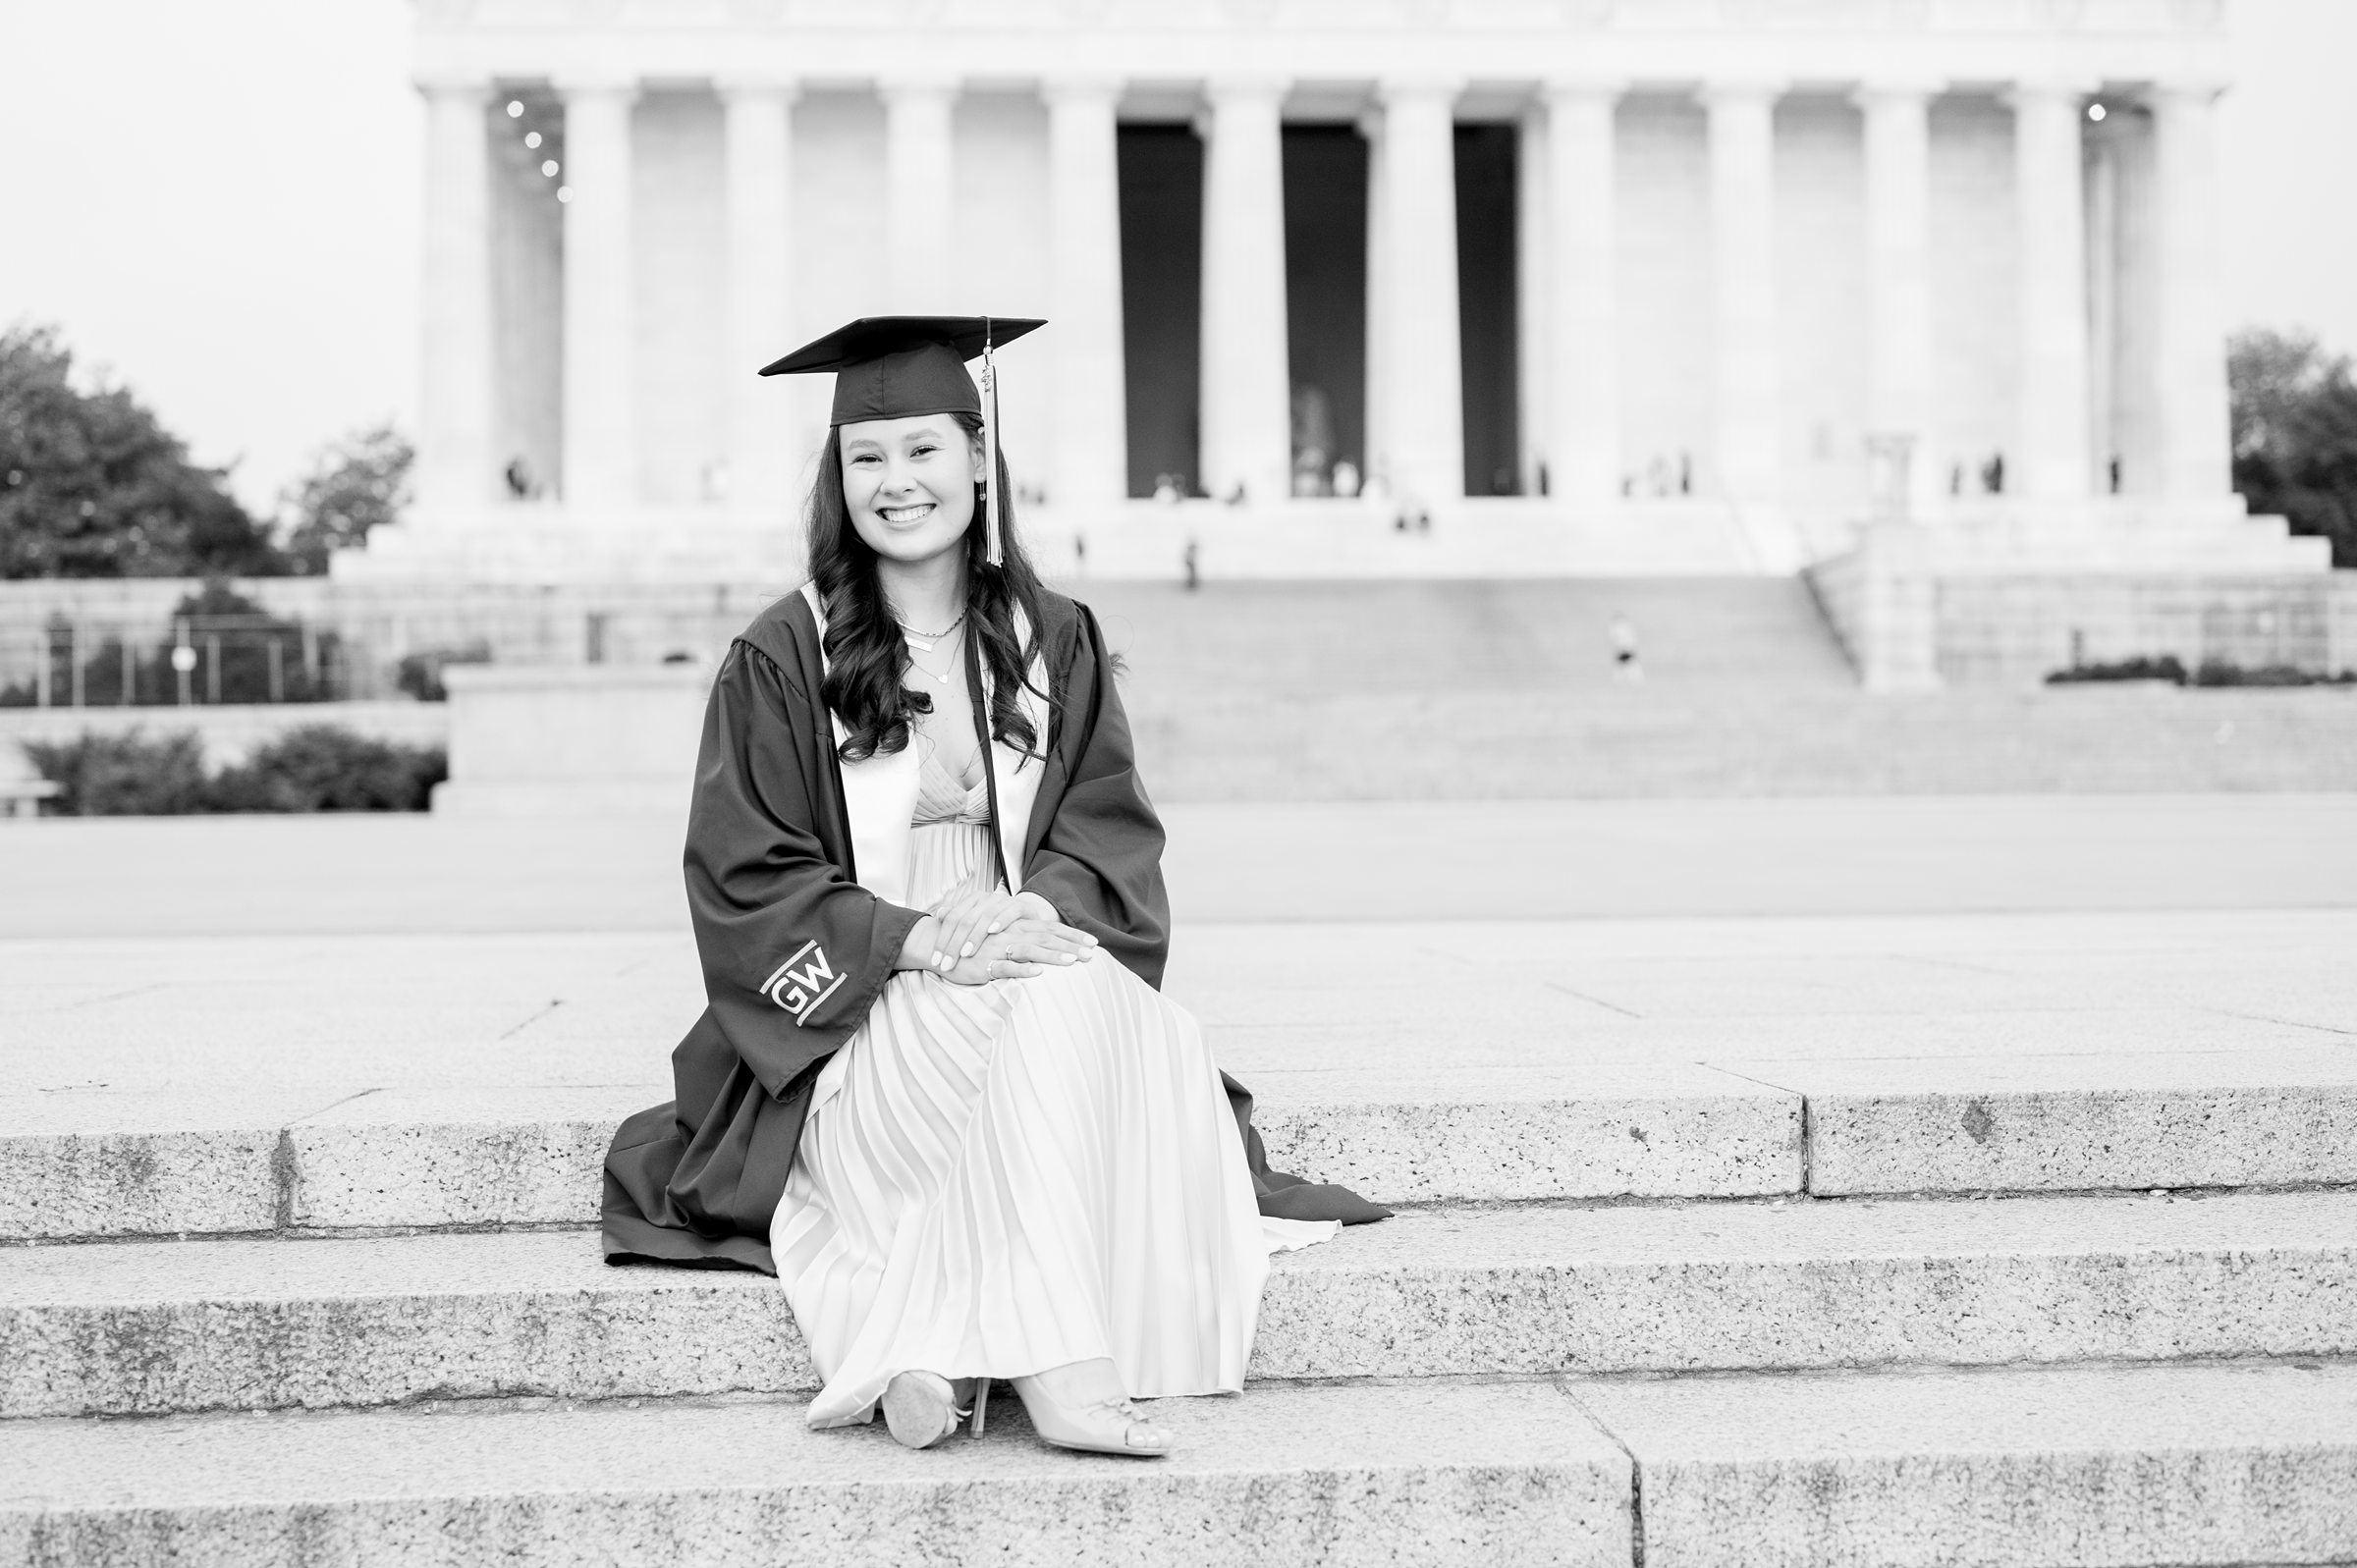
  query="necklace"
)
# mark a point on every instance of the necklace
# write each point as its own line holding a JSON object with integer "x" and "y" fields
{"x": 916, "y": 647}
{"x": 926, "y": 641}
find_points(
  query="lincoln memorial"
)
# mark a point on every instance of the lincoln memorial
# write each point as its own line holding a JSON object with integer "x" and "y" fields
{"x": 1454, "y": 287}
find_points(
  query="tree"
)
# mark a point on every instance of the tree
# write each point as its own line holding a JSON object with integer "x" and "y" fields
{"x": 355, "y": 485}
{"x": 2295, "y": 435}
{"x": 91, "y": 485}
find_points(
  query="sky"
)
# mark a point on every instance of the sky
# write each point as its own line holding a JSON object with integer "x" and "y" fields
{"x": 217, "y": 202}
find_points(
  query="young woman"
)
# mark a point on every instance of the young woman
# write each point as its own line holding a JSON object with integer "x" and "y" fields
{"x": 935, "y": 1089}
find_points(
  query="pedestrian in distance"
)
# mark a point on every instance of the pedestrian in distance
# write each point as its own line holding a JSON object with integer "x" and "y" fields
{"x": 1627, "y": 669}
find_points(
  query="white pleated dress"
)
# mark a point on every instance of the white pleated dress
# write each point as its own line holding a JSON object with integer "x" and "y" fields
{"x": 999, "y": 1179}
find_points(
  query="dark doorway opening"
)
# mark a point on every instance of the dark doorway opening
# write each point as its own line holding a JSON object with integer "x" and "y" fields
{"x": 1162, "y": 302}
{"x": 1326, "y": 300}
{"x": 1488, "y": 329}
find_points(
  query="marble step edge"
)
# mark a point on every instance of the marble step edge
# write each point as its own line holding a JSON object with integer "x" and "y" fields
{"x": 465, "y": 1158}
{"x": 410, "y": 1159}
{"x": 2058, "y": 1468}
{"x": 148, "y": 1327}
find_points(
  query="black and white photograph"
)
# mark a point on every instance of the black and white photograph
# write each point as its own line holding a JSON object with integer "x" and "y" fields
{"x": 1263, "y": 783}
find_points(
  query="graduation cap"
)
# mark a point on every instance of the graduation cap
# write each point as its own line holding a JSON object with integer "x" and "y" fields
{"x": 895, "y": 367}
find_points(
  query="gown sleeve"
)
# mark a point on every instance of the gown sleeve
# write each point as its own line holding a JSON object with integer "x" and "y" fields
{"x": 1099, "y": 861}
{"x": 794, "y": 954}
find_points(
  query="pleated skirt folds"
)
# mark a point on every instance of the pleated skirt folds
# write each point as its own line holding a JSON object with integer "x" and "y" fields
{"x": 996, "y": 1181}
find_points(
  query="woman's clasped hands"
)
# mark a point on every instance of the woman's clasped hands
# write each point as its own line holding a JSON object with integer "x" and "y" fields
{"x": 981, "y": 934}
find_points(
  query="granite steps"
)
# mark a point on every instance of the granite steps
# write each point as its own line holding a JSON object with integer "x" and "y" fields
{"x": 156, "y": 1328}
{"x": 1839, "y": 1303}
{"x": 321, "y": 1162}
{"x": 1785, "y": 1375}
{"x": 2022, "y": 1468}
{"x": 1382, "y": 691}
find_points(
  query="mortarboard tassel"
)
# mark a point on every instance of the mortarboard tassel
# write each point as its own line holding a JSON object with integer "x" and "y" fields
{"x": 992, "y": 553}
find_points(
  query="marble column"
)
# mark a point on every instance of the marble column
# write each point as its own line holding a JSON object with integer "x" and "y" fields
{"x": 2050, "y": 459}
{"x": 2104, "y": 422}
{"x": 1375, "y": 461}
{"x": 1745, "y": 391}
{"x": 601, "y": 424}
{"x": 1584, "y": 444}
{"x": 1088, "y": 463}
{"x": 455, "y": 465}
{"x": 758, "y": 127}
{"x": 2195, "y": 458}
{"x": 1248, "y": 379}
{"x": 1534, "y": 284}
{"x": 1424, "y": 414}
{"x": 920, "y": 172}
{"x": 1898, "y": 272}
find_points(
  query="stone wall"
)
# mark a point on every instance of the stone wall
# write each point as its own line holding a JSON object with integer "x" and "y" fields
{"x": 527, "y": 742}
{"x": 633, "y": 624}
{"x": 2015, "y": 630}
{"x": 1903, "y": 620}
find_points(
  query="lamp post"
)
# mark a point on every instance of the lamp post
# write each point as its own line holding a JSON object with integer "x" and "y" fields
{"x": 183, "y": 662}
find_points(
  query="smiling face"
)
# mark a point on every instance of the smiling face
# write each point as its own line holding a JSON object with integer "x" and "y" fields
{"x": 909, "y": 484}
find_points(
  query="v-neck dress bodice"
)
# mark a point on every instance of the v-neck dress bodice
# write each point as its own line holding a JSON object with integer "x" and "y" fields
{"x": 942, "y": 796}
{"x": 952, "y": 848}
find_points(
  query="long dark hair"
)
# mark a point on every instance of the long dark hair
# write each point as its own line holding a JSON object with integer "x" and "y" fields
{"x": 868, "y": 660}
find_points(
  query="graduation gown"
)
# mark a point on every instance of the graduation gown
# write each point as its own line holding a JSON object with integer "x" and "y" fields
{"x": 794, "y": 949}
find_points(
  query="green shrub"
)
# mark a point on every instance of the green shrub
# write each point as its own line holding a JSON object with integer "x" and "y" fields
{"x": 131, "y": 774}
{"x": 2218, "y": 672}
{"x": 2212, "y": 673}
{"x": 315, "y": 768}
{"x": 2142, "y": 668}
{"x": 328, "y": 768}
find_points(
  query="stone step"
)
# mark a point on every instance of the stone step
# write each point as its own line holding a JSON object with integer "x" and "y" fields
{"x": 2047, "y": 1468}
{"x": 1237, "y": 744}
{"x": 141, "y": 1328}
{"x": 1438, "y": 1475}
{"x": 2017, "y": 1468}
{"x": 129, "y": 1165}
{"x": 2208, "y": 1119}
{"x": 147, "y": 1166}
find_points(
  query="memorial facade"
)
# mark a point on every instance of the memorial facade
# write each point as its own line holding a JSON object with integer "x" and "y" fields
{"x": 1563, "y": 285}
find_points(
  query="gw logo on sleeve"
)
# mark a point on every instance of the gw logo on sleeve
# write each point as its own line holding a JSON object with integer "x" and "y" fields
{"x": 801, "y": 990}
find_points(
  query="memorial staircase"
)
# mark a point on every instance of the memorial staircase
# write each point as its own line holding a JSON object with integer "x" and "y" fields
{"x": 2062, "y": 1287}
{"x": 1507, "y": 690}
{"x": 1308, "y": 641}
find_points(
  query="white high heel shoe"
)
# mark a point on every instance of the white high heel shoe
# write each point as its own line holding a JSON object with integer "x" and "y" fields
{"x": 921, "y": 1408}
{"x": 1106, "y": 1427}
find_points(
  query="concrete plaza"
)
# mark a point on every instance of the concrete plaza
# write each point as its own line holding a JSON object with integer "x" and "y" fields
{"x": 1345, "y": 861}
